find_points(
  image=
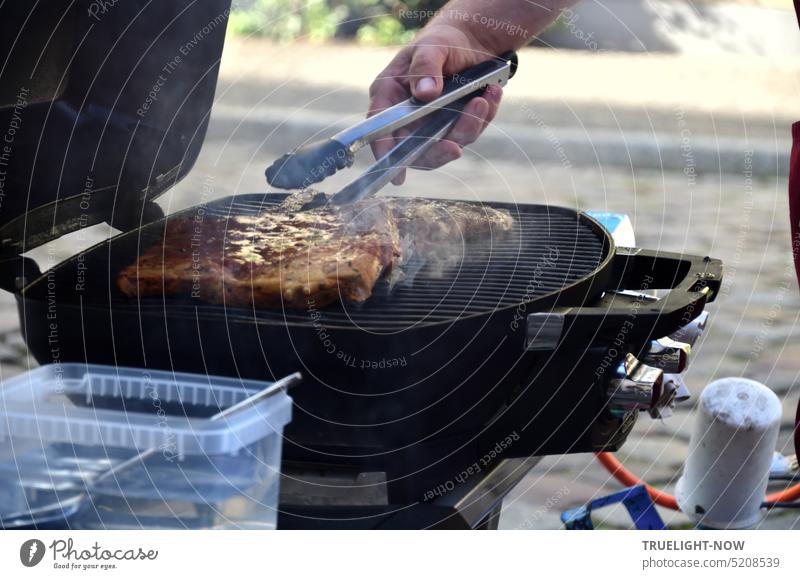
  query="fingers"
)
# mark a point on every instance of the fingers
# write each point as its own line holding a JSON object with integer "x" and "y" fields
{"x": 385, "y": 91}
{"x": 425, "y": 71}
{"x": 382, "y": 146}
{"x": 400, "y": 178}
{"x": 381, "y": 95}
{"x": 419, "y": 69}
{"x": 381, "y": 100}
{"x": 476, "y": 116}
{"x": 493, "y": 95}
{"x": 388, "y": 89}
{"x": 471, "y": 122}
{"x": 391, "y": 85}
{"x": 440, "y": 154}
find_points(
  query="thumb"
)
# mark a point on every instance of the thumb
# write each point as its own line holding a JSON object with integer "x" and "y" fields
{"x": 425, "y": 71}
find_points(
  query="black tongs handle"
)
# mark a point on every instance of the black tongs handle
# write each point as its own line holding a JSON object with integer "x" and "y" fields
{"x": 314, "y": 162}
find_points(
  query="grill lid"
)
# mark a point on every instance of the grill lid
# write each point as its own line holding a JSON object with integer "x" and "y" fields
{"x": 103, "y": 107}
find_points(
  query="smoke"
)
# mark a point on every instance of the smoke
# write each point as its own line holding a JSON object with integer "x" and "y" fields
{"x": 432, "y": 236}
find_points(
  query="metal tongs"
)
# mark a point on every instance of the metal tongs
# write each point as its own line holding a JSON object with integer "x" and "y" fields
{"x": 314, "y": 162}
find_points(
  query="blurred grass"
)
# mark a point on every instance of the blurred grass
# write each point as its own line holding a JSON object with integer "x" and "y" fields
{"x": 374, "y": 22}
{"x": 381, "y": 22}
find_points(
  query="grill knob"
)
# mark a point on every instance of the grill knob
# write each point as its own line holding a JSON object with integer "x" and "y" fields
{"x": 673, "y": 390}
{"x": 691, "y": 331}
{"x": 668, "y": 355}
{"x": 682, "y": 393}
{"x": 637, "y": 387}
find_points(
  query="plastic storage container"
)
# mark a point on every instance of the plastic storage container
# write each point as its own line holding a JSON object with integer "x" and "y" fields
{"x": 62, "y": 425}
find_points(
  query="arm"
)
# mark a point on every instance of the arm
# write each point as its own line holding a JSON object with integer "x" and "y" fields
{"x": 464, "y": 33}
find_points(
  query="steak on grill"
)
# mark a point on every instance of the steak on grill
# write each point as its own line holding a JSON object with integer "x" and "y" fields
{"x": 286, "y": 257}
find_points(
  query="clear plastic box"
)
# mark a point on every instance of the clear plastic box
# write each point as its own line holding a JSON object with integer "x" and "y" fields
{"x": 62, "y": 425}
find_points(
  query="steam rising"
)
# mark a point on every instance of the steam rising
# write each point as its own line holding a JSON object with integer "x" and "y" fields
{"x": 433, "y": 235}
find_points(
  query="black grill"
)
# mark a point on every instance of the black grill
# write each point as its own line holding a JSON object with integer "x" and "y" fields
{"x": 549, "y": 249}
{"x": 435, "y": 361}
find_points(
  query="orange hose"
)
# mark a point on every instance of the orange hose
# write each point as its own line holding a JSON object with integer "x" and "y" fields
{"x": 626, "y": 477}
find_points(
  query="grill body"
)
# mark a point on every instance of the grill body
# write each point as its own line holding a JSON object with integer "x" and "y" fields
{"x": 467, "y": 382}
{"x": 433, "y": 357}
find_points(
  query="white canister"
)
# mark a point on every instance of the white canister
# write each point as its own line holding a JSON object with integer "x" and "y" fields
{"x": 727, "y": 471}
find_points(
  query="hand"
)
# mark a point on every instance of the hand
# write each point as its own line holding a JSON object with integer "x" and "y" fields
{"x": 439, "y": 51}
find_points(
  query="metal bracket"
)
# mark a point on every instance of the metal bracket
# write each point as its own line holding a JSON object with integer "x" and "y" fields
{"x": 543, "y": 331}
{"x": 667, "y": 355}
{"x": 638, "y": 386}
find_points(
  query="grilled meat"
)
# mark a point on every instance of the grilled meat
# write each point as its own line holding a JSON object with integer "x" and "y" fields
{"x": 432, "y": 220}
{"x": 428, "y": 220}
{"x": 290, "y": 258}
{"x": 433, "y": 232}
{"x": 273, "y": 259}
{"x": 436, "y": 232}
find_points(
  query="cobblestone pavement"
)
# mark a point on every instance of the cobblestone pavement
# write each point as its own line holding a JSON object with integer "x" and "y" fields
{"x": 732, "y": 216}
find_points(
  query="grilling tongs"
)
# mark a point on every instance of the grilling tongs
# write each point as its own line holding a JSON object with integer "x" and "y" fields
{"x": 314, "y": 162}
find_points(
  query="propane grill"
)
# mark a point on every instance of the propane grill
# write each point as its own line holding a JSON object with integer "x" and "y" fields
{"x": 522, "y": 341}
{"x": 548, "y": 250}
{"x": 424, "y": 377}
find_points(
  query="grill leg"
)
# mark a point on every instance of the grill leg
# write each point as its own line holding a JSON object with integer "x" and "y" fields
{"x": 445, "y": 454}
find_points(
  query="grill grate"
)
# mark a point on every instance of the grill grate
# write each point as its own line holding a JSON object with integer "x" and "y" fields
{"x": 549, "y": 249}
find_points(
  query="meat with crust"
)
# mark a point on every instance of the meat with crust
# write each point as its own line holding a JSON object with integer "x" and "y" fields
{"x": 287, "y": 257}
{"x": 274, "y": 259}
{"x": 435, "y": 232}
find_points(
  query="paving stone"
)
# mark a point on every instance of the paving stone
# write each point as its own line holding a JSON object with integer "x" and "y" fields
{"x": 553, "y": 486}
{"x": 654, "y": 459}
{"x": 677, "y": 427}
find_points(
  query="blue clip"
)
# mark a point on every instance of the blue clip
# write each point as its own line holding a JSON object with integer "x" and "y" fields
{"x": 639, "y": 504}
